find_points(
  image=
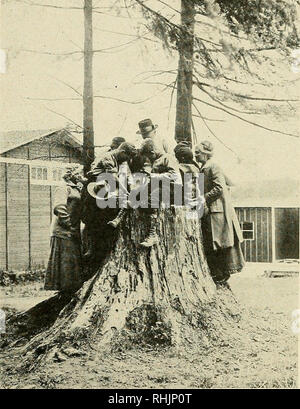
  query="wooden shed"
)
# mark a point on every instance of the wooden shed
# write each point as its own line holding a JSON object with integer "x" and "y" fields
{"x": 31, "y": 168}
{"x": 270, "y": 230}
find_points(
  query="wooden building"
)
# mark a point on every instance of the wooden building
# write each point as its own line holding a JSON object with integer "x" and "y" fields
{"x": 270, "y": 229}
{"x": 31, "y": 168}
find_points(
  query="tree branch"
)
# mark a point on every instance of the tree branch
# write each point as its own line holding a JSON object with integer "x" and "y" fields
{"x": 211, "y": 131}
{"x": 243, "y": 95}
{"x": 119, "y": 45}
{"x": 54, "y": 99}
{"x": 245, "y": 120}
{"x": 31, "y": 3}
{"x": 48, "y": 52}
{"x": 135, "y": 102}
{"x": 224, "y": 105}
{"x": 171, "y": 99}
{"x": 211, "y": 96}
{"x": 68, "y": 85}
{"x": 136, "y": 36}
{"x": 172, "y": 8}
{"x": 208, "y": 119}
{"x": 102, "y": 97}
{"x": 63, "y": 116}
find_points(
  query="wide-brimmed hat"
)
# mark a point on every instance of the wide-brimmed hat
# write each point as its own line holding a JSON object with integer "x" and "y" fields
{"x": 205, "y": 147}
{"x": 91, "y": 187}
{"x": 146, "y": 126}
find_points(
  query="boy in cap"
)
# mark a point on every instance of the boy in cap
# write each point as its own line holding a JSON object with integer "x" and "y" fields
{"x": 221, "y": 230}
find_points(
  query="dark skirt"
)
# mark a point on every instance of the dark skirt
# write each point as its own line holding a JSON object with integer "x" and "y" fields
{"x": 64, "y": 271}
{"x": 222, "y": 262}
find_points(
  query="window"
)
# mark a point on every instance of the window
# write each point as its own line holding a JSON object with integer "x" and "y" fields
{"x": 54, "y": 174}
{"x": 57, "y": 174}
{"x": 33, "y": 173}
{"x": 39, "y": 173}
{"x": 247, "y": 230}
{"x": 46, "y": 175}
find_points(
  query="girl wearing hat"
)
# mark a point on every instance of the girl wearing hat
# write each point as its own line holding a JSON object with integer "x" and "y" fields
{"x": 221, "y": 230}
{"x": 64, "y": 271}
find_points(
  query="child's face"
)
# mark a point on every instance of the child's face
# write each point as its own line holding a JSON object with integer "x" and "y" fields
{"x": 200, "y": 156}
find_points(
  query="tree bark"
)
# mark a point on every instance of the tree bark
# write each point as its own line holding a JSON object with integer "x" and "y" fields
{"x": 88, "y": 125}
{"x": 183, "y": 126}
{"x": 158, "y": 296}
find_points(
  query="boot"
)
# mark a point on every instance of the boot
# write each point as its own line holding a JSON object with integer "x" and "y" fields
{"x": 115, "y": 222}
{"x": 152, "y": 237}
{"x": 90, "y": 253}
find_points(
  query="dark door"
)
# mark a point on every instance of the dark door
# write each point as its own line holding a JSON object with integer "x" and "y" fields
{"x": 287, "y": 233}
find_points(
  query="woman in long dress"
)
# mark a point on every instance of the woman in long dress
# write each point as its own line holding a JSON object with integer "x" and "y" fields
{"x": 221, "y": 230}
{"x": 64, "y": 271}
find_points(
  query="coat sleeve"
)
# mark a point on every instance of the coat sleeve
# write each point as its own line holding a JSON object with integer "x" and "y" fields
{"x": 60, "y": 208}
{"x": 217, "y": 182}
{"x": 63, "y": 215}
{"x": 106, "y": 165}
{"x": 170, "y": 169}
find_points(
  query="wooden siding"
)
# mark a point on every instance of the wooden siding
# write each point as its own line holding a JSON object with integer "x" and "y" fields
{"x": 286, "y": 233}
{"x": 259, "y": 249}
{"x": 44, "y": 150}
{"x": 17, "y": 212}
{"x": 26, "y": 211}
{"x": 39, "y": 224}
{"x": 3, "y": 215}
{"x": 26, "y": 208}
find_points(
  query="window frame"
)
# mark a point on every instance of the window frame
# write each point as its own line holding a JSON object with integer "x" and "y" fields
{"x": 248, "y": 230}
{"x": 50, "y": 172}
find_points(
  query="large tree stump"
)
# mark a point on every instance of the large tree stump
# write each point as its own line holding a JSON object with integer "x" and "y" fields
{"x": 162, "y": 296}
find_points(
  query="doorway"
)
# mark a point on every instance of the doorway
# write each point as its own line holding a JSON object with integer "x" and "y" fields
{"x": 286, "y": 233}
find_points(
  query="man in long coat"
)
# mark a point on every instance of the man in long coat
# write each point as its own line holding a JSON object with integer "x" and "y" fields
{"x": 221, "y": 230}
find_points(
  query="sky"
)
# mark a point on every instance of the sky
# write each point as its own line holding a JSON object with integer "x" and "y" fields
{"x": 121, "y": 72}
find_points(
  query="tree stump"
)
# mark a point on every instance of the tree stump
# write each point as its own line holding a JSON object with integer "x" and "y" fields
{"x": 163, "y": 295}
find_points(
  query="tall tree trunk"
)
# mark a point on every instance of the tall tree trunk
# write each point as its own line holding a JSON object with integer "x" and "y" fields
{"x": 185, "y": 73}
{"x": 88, "y": 125}
{"x": 162, "y": 295}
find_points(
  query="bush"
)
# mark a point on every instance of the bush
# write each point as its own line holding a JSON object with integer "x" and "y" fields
{"x": 8, "y": 278}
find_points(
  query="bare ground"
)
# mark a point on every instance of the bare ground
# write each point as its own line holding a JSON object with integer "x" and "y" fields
{"x": 262, "y": 355}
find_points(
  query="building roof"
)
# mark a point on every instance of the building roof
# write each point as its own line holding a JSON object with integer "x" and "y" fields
{"x": 13, "y": 139}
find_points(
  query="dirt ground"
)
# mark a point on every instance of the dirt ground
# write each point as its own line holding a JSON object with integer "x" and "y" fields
{"x": 265, "y": 356}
